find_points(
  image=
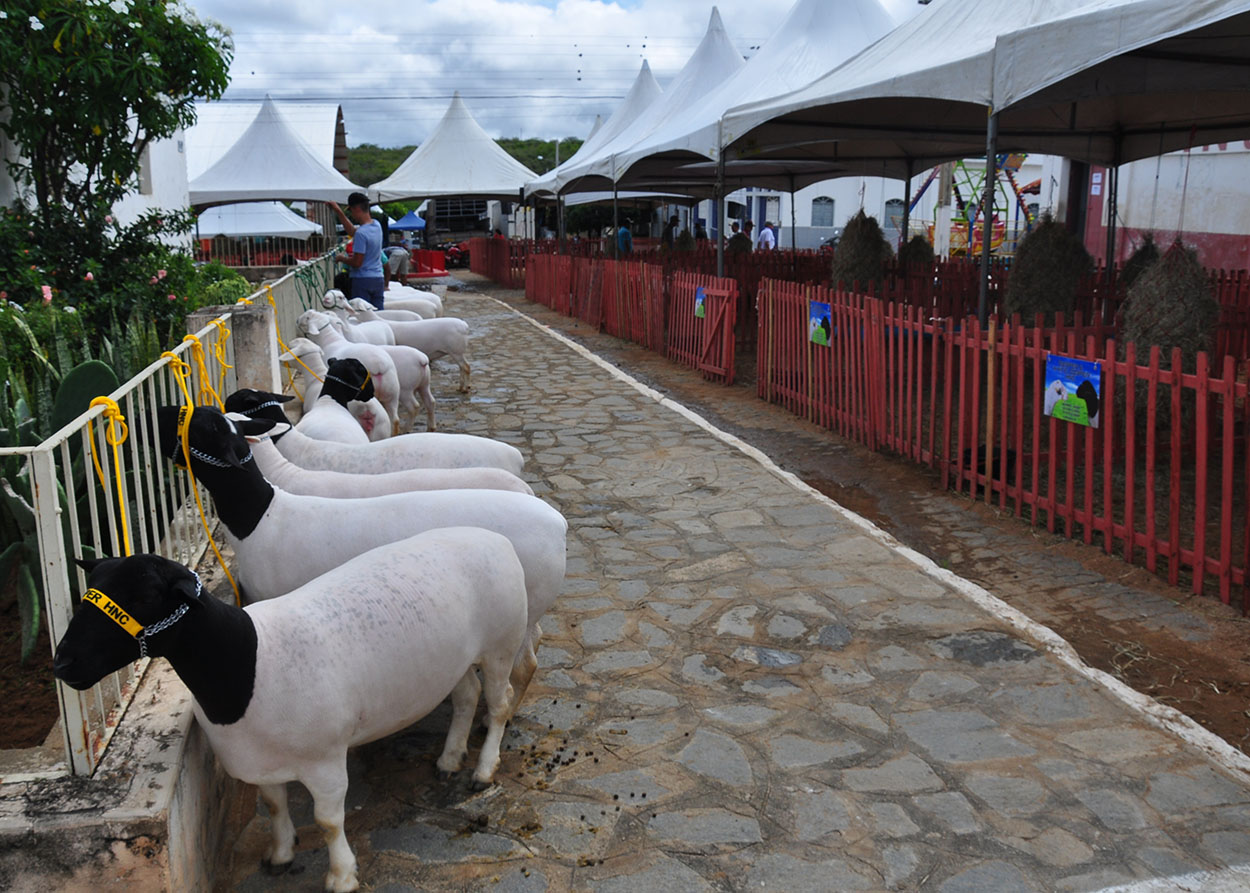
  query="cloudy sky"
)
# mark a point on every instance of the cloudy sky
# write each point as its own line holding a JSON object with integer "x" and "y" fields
{"x": 529, "y": 68}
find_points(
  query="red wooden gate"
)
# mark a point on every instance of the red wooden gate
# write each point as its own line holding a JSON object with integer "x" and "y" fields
{"x": 716, "y": 356}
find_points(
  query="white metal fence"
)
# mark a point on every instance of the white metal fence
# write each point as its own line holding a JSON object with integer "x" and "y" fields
{"x": 89, "y": 504}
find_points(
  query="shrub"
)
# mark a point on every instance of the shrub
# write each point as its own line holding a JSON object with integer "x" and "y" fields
{"x": 684, "y": 241}
{"x": 1171, "y": 305}
{"x": 1048, "y": 268}
{"x": 861, "y": 253}
{"x": 916, "y": 251}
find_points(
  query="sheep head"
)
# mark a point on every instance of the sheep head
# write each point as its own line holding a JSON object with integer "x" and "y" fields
{"x": 125, "y": 595}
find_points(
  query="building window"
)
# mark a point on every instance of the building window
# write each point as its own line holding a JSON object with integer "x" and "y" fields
{"x": 822, "y": 211}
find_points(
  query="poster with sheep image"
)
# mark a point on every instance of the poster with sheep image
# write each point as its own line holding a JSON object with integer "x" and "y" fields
{"x": 1073, "y": 390}
{"x": 700, "y": 307}
{"x": 819, "y": 326}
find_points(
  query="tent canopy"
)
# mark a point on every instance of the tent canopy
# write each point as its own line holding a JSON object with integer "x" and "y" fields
{"x": 254, "y": 219}
{"x": 816, "y": 36}
{"x": 642, "y": 94}
{"x": 1126, "y": 79}
{"x": 269, "y": 161}
{"x": 1105, "y": 81}
{"x": 458, "y": 159}
{"x": 714, "y": 61}
{"x": 409, "y": 221}
{"x": 218, "y": 125}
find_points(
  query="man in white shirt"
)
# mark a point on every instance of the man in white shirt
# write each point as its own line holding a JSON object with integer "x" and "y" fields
{"x": 768, "y": 241}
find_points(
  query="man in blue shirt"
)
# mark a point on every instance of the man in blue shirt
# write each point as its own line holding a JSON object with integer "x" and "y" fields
{"x": 366, "y": 273}
{"x": 624, "y": 240}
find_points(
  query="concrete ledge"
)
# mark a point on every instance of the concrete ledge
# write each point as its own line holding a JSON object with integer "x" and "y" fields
{"x": 157, "y": 814}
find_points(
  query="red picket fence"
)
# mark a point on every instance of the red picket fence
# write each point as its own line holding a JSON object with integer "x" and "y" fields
{"x": 702, "y": 312}
{"x": 501, "y": 260}
{"x": 1164, "y": 479}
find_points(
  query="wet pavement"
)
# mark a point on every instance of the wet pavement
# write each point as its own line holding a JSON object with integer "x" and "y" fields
{"x": 744, "y": 687}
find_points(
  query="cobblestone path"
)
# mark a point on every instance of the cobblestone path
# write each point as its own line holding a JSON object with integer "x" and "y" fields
{"x": 742, "y": 688}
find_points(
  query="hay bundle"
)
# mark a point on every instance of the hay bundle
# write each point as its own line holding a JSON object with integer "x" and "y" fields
{"x": 1145, "y": 255}
{"x": 916, "y": 251}
{"x": 1048, "y": 268}
{"x": 861, "y": 252}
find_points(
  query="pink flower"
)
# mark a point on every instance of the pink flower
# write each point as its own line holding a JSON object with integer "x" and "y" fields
{"x": 160, "y": 274}
{"x": 185, "y": 297}
{"x": 4, "y": 295}
{"x": 173, "y": 297}
{"x": 152, "y": 281}
{"x": 108, "y": 218}
{"x": 47, "y": 294}
{"x": 90, "y": 277}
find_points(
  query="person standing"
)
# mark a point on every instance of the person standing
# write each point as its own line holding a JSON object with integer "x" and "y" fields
{"x": 668, "y": 237}
{"x": 366, "y": 274}
{"x": 768, "y": 240}
{"x": 624, "y": 240}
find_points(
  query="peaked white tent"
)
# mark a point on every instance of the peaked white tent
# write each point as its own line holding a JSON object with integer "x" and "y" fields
{"x": 815, "y": 37}
{"x": 218, "y": 125}
{"x": 642, "y": 94}
{"x": 459, "y": 158}
{"x": 269, "y": 161}
{"x": 254, "y": 219}
{"x": 713, "y": 61}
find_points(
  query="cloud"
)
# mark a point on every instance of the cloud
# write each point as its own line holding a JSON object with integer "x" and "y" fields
{"x": 524, "y": 68}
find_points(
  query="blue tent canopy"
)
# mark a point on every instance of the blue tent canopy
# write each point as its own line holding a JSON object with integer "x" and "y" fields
{"x": 409, "y": 221}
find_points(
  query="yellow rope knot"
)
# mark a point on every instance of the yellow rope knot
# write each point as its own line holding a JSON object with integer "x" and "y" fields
{"x": 207, "y": 395}
{"x": 115, "y": 434}
{"x": 219, "y": 351}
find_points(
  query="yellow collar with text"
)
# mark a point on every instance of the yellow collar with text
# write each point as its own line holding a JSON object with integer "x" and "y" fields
{"x": 113, "y": 611}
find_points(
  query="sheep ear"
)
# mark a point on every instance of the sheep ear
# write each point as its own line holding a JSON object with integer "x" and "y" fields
{"x": 188, "y": 589}
{"x": 90, "y": 564}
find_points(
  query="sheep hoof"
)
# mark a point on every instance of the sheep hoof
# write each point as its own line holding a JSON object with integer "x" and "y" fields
{"x": 273, "y": 869}
{"x": 477, "y": 785}
{"x": 444, "y": 775}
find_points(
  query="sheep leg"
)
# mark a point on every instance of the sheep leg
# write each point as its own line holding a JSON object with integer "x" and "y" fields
{"x": 427, "y": 401}
{"x": 329, "y": 790}
{"x": 281, "y": 851}
{"x": 464, "y": 373}
{"x": 498, "y": 698}
{"x": 522, "y": 672}
{"x": 463, "y": 705}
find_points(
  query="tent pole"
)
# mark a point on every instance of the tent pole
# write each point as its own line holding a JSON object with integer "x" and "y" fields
{"x": 616, "y": 222}
{"x": 718, "y": 204}
{"x": 987, "y": 214}
{"x": 794, "y": 248}
{"x": 1113, "y": 199}
{"x": 903, "y": 234}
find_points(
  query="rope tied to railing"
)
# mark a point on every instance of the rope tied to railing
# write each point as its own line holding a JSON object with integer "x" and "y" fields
{"x": 207, "y": 395}
{"x": 180, "y": 370}
{"x": 219, "y": 351}
{"x": 115, "y": 434}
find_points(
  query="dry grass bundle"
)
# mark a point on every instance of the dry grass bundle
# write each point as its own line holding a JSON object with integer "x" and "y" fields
{"x": 916, "y": 251}
{"x": 1145, "y": 254}
{"x": 861, "y": 251}
{"x": 1048, "y": 268}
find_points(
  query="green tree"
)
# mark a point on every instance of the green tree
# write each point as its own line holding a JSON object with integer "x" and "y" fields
{"x": 369, "y": 163}
{"x": 527, "y": 151}
{"x": 88, "y": 84}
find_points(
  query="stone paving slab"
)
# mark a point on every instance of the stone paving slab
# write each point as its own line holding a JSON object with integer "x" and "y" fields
{"x": 742, "y": 689}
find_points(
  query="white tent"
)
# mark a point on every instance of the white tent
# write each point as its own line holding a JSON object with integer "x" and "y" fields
{"x": 1124, "y": 79}
{"x": 269, "y": 161}
{"x": 816, "y": 37}
{"x": 459, "y": 158}
{"x": 715, "y": 60}
{"x": 218, "y": 125}
{"x": 254, "y": 219}
{"x": 917, "y": 96}
{"x": 641, "y": 95}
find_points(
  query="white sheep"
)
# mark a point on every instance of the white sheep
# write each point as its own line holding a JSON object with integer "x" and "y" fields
{"x": 309, "y": 371}
{"x": 418, "y": 450}
{"x": 286, "y": 475}
{"x": 412, "y": 367}
{"x": 1056, "y": 393}
{"x": 405, "y": 297}
{"x": 283, "y": 688}
{"x": 314, "y": 534}
{"x": 376, "y": 332}
{"x": 345, "y": 381}
{"x": 334, "y": 301}
{"x": 434, "y": 337}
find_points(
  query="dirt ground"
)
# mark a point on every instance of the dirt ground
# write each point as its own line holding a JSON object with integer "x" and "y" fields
{"x": 1205, "y": 674}
{"x": 28, "y": 706}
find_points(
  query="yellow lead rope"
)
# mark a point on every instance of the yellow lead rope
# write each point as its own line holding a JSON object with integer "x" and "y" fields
{"x": 180, "y": 370}
{"x": 115, "y": 419}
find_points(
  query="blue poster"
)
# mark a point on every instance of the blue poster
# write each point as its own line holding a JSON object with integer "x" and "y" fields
{"x": 699, "y": 297}
{"x": 819, "y": 323}
{"x": 1073, "y": 390}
